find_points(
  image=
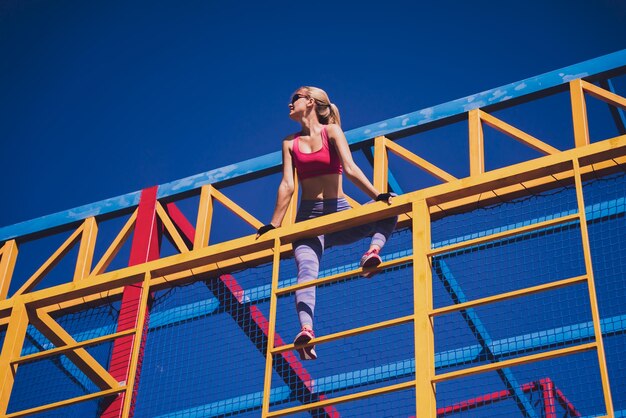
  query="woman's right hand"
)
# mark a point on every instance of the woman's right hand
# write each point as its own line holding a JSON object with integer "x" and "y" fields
{"x": 265, "y": 228}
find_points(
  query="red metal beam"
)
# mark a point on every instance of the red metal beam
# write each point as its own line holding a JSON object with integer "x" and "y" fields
{"x": 145, "y": 247}
{"x": 549, "y": 401}
{"x": 252, "y": 320}
{"x": 550, "y": 396}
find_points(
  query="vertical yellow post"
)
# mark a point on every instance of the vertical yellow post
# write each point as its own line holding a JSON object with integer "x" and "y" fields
{"x": 595, "y": 313}
{"x": 11, "y": 349}
{"x": 137, "y": 342}
{"x": 476, "y": 143}
{"x": 8, "y": 256}
{"x": 425, "y": 400}
{"x": 87, "y": 246}
{"x": 381, "y": 164}
{"x": 271, "y": 330}
{"x": 579, "y": 113}
{"x": 203, "y": 222}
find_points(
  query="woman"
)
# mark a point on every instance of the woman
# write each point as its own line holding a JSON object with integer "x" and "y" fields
{"x": 320, "y": 154}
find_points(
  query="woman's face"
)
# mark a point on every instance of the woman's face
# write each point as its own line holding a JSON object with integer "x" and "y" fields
{"x": 298, "y": 103}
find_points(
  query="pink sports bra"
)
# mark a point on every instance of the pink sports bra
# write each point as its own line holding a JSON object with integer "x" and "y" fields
{"x": 313, "y": 164}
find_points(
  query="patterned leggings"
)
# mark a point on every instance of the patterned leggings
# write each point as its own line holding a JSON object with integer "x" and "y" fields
{"x": 308, "y": 252}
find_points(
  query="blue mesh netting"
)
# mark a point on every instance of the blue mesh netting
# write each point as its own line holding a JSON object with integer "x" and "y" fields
{"x": 205, "y": 347}
{"x": 56, "y": 377}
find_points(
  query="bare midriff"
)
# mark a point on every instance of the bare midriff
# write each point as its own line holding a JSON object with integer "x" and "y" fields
{"x": 326, "y": 186}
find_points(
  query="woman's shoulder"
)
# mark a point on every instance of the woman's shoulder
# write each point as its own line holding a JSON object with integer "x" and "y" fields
{"x": 288, "y": 140}
{"x": 333, "y": 130}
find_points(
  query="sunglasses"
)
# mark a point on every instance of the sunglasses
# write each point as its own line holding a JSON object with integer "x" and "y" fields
{"x": 297, "y": 97}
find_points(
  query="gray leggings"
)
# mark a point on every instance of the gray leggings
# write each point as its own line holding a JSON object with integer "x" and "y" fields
{"x": 308, "y": 252}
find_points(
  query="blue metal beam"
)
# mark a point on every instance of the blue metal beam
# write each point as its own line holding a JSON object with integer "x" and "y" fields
{"x": 482, "y": 335}
{"x": 359, "y": 136}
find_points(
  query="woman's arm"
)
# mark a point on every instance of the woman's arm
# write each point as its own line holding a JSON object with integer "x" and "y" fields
{"x": 286, "y": 187}
{"x": 352, "y": 171}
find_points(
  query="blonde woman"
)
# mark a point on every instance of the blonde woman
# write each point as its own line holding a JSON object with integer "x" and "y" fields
{"x": 320, "y": 154}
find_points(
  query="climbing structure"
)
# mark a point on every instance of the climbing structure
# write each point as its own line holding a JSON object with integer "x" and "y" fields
{"x": 500, "y": 294}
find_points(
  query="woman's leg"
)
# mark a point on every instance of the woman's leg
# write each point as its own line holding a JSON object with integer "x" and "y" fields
{"x": 308, "y": 254}
{"x": 380, "y": 232}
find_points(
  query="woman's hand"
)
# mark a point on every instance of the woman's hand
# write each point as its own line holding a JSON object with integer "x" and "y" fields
{"x": 265, "y": 228}
{"x": 384, "y": 197}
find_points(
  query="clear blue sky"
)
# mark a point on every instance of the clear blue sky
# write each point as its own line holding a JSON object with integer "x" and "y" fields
{"x": 98, "y": 99}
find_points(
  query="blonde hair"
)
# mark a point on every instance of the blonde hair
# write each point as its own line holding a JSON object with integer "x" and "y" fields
{"x": 326, "y": 111}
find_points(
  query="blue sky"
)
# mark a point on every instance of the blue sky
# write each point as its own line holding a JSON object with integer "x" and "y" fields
{"x": 99, "y": 99}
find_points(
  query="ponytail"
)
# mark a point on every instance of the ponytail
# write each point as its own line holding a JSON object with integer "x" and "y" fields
{"x": 326, "y": 111}
{"x": 334, "y": 115}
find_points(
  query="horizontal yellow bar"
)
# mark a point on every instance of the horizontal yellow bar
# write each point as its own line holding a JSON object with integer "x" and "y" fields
{"x": 523, "y": 188}
{"x": 504, "y": 234}
{"x": 65, "y": 403}
{"x": 243, "y": 247}
{"x": 514, "y": 362}
{"x": 342, "y": 275}
{"x": 61, "y": 350}
{"x": 343, "y": 399}
{"x": 508, "y": 295}
{"x": 349, "y": 333}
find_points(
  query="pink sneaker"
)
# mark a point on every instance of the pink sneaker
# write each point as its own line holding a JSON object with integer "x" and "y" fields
{"x": 369, "y": 261}
{"x": 303, "y": 338}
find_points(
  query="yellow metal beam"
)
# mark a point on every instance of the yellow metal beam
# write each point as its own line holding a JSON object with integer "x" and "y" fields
{"x": 83, "y": 360}
{"x": 131, "y": 383}
{"x": 115, "y": 246}
{"x": 205, "y": 215}
{"x": 381, "y": 164}
{"x": 604, "y": 95}
{"x": 476, "y": 143}
{"x": 8, "y": 256}
{"x": 593, "y": 299}
{"x": 579, "y": 113}
{"x": 171, "y": 229}
{"x": 180, "y": 267}
{"x": 271, "y": 331}
{"x": 61, "y": 350}
{"x": 424, "y": 340}
{"x": 236, "y": 209}
{"x": 419, "y": 162}
{"x": 424, "y": 165}
{"x": 266, "y": 255}
{"x": 509, "y": 295}
{"x": 341, "y": 399}
{"x": 517, "y": 134}
{"x": 86, "y": 249}
{"x": 349, "y": 333}
{"x": 51, "y": 262}
{"x": 523, "y": 188}
{"x": 65, "y": 403}
{"x": 515, "y": 362}
{"x": 502, "y": 235}
{"x": 11, "y": 348}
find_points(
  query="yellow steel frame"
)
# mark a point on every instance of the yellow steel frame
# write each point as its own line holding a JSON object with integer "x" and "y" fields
{"x": 92, "y": 285}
